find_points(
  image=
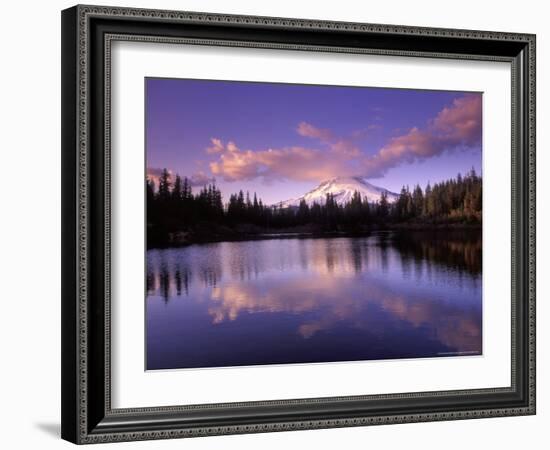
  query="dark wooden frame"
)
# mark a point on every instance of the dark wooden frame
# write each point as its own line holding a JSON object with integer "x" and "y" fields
{"x": 87, "y": 32}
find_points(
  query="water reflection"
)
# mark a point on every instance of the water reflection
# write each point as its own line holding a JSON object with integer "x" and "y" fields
{"x": 388, "y": 295}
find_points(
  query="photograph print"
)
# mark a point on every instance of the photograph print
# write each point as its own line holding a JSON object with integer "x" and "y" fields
{"x": 294, "y": 224}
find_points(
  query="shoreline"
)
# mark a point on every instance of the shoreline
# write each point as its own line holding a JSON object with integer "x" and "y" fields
{"x": 187, "y": 238}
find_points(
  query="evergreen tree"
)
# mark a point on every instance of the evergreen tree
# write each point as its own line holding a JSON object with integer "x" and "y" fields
{"x": 150, "y": 190}
{"x": 177, "y": 189}
{"x": 186, "y": 191}
{"x": 164, "y": 186}
{"x": 417, "y": 201}
{"x": 303, "y": 212}
{"x": 366, "y": 211}
{"x": 383, "y": 208}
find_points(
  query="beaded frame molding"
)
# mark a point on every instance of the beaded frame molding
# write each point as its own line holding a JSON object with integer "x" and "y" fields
{"x": 87, "y": 35}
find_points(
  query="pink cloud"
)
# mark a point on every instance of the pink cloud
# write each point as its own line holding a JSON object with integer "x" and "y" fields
{"x": 311, "y": 131}
{"x": 462, "y": 121}
{"x": 216, "y": 147}
{"x": 293, "y": 163}
{"x": 456, "y": 126}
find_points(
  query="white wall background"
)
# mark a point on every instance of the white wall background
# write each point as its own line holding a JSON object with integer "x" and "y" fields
{"x": 30, "y": 223}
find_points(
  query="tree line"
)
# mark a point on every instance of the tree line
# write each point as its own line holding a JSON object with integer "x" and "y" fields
{"x": 174, "y": 206}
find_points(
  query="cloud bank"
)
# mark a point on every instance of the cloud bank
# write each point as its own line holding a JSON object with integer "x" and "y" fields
{"x": 455, "y": 127}
{"x": 291, "y": 163}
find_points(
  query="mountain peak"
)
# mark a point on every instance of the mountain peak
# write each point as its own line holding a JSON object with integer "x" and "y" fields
{"x": 342, "y": 189}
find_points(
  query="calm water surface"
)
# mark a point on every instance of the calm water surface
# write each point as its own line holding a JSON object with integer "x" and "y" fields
{"x": 385, "y": 296}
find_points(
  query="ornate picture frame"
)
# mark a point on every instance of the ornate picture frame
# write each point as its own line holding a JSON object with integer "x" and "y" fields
{"x": 88, "y": 33}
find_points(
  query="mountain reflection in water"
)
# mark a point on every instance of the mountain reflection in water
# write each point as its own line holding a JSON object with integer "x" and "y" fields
{"x": 388, "y": 295}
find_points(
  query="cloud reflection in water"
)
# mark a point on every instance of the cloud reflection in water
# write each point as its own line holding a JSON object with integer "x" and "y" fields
{"x": 293, "y": 300}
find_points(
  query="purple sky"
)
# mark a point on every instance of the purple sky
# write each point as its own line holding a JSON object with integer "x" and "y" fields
{"x": 282, "y": 140}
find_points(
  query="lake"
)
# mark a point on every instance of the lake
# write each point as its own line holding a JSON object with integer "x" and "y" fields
{"x": 387, "y": 295}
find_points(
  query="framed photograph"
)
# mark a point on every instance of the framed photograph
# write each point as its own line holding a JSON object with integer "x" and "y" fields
{"x": 278, "y": 224}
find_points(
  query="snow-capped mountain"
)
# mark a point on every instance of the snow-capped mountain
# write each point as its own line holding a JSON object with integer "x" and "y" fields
{"x": 342, "y": 188}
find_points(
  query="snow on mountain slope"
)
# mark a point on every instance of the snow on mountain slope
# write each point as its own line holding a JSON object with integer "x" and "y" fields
{"x": 342, "y": 188}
